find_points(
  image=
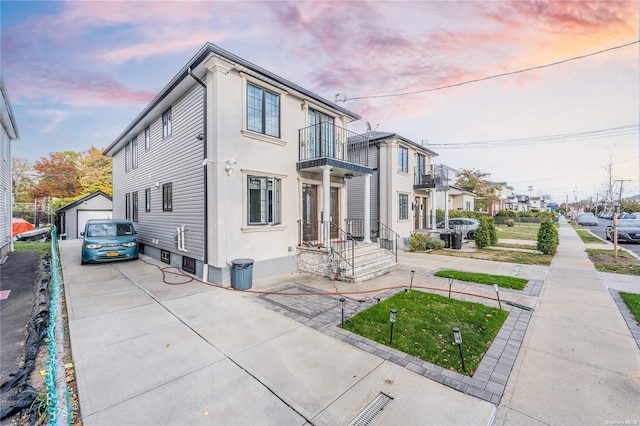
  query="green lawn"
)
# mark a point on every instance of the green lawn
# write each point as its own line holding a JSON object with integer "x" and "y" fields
{"x": 42, "y": 248}
{"x": 633, "y": 302}
{"x": 424, "y": 324}
{"x": 502, "y": 280}
{"x": 523, "y": 258}
{"x": 588, "y": 237}
{"x": 520, "y": 231}
{"x": 604, "y": 261}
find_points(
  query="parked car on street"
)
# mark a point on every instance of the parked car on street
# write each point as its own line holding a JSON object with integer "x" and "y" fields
{"x": 628, "y": 231}
{"x": 587, "y": 219}
{"x": 107, "y": 240}
{"x": 466, "y": 226}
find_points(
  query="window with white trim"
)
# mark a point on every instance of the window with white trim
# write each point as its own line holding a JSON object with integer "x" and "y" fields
{"x": 263, "y": 111}
{"x": 166, "y": 123}
{"x": 134, "y": 206}
{"x": 403, "y": 206}
{"x": 147, "y": 138}
{"x": 264, "y": 204}
{"x": 147, "y": 200}
{"x": 134, "y": 153}
{"x": 167, "y": 197}
{"x": 403, "y": 159}
{"x": 127, "y": 156}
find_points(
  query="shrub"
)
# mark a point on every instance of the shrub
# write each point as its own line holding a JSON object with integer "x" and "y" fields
{"x": 510, "y": 222}
{"x": 493, "y": 230}
{"x": 506, "y": 213}
{"x": 482, "y": 236}
{"x": 547, "y": 237}
{"x": 424, "y": 242}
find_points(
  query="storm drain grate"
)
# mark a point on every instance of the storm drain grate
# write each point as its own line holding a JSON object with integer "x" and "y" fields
{"x": 372, "y": 410}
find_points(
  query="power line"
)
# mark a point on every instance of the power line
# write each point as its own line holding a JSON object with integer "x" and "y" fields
{"x": 504, "y": 74}
{"x": 628, "y": 129}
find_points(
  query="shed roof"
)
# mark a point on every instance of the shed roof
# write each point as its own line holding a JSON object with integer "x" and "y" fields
{"x": 82, "y": 200}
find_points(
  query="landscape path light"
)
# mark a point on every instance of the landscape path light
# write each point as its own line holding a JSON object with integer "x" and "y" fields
{"x": 497, "y": 290}
{"x": 450, "y": 283}
{"x": 392, "y": 320}
{"x": 412, "y": 274}
{"x": 342, "y": 307}
{"x": 457, "y": 339}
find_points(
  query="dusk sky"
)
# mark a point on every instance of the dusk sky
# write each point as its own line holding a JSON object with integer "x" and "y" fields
{"x": 78, "y": 72}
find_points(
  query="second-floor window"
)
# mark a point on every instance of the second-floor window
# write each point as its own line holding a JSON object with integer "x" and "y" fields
{"x": 264, "y": 204}
{"x": 403, "y": 206}
{"x": 403, "y": 159}
{"x": 134, "y": 153}
{"x": 127, "y": 156}
{"x": 166, "y": 123}
{"x": 167, "y": 197}
{"x": 147, "y": 138}
{"x": 320, "y": 135}
{"x": 263, "y": 111}
{"x": 421, "y": 168}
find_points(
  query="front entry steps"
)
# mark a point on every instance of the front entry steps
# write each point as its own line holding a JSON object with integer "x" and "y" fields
{"x": 370, "y": 260}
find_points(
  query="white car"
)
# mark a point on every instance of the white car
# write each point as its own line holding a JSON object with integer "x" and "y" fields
{"x": 466, "y": 226}
{"x": 587, "y": 219}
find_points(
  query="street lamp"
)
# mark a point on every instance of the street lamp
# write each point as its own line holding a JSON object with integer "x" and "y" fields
{"x": 497, "y": 290}
{"x": 457, "y": 339}
{"x": 450, "y": 283}
{"x": 412, "y": 274}
{"x": 392, "y": 320}
{"x": 342, "y": 307}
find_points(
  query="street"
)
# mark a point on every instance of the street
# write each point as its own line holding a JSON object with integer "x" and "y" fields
{"x": 599, "y": 231}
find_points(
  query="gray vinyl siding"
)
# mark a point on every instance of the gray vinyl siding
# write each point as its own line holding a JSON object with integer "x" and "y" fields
{"x": 176, "y": 159}
{"x": 355, "y": 190}
{"x": 5, "y": 191}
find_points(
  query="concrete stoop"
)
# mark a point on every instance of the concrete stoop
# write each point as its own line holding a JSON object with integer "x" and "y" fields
{"x": 370, "y": 260}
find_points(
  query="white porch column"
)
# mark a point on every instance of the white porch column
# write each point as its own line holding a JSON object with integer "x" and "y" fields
{"x": 367, "y": 208}
{"x": 434, "y": 207}
{"x": 446, "y": 209}
{"x": 326, "y": 205}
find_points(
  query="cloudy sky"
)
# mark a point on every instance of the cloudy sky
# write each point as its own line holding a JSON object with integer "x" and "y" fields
{"x": 78, "y": 72}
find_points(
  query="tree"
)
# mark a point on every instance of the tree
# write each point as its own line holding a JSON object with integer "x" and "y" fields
{"x": 22, "y": 182}
{"x": 609, "y": 186}
{"x": 475, "y": 181}
{"x": 58, "y": 175}
{"x": 95, "y": 170}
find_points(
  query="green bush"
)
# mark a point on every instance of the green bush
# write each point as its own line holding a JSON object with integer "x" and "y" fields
{"x": 493, "y": 230}
{"x": 482, "y": 236}
{"x": 547, "y": 237}
{"x": 507, "y": 213}
{"x": 510, "y": 222}
{"x": 465, "y": 213}
{"x": 424, "y": 242}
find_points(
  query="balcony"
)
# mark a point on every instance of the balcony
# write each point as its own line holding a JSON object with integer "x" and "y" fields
{"x": 325, "y": 144}
{"x": 433, "y": 176}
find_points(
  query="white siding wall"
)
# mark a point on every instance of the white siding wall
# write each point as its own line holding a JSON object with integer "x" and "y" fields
{"x": 5, "y": 191}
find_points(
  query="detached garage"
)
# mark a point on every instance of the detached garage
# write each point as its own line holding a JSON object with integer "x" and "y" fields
{"x": 73, "y": 217}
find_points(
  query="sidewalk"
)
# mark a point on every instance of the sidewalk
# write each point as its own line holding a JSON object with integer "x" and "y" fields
{"x": 579, "y": 363}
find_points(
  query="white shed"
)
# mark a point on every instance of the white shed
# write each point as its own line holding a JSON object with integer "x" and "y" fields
{"x": 73, "y": 217}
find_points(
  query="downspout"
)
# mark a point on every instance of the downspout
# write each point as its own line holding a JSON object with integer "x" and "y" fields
{"x": 205, "y": 165}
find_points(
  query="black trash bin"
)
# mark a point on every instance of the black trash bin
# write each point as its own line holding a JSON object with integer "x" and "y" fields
{"x": 446, "y": 237}
{"x": 456, "y": 240}
{"x": 242, "y": 274}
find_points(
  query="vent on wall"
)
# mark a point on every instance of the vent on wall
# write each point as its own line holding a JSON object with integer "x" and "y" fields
{"x": 165, "y": 256}
{"x": 141, "y": 248}
{"x": 189, "y": 265}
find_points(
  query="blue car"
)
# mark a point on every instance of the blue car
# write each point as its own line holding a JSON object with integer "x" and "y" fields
{"x": 107, "y": 240}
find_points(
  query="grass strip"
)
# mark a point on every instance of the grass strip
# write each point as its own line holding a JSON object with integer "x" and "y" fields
{"x": 502, "y": 280}
{"x": 42, "y": 248}
{"x": 588, "y": 238}
{"x": 633, "y": 303}
{"x": 605, "y": 261}
{"x": 424, "y": 325}
{"x": 522, "y": 258}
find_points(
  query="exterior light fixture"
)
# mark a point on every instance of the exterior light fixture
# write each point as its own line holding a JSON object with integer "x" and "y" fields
{"x": 497, "y": 290}
{"x": 392, "y": 320}
{"x": 450, "y": 283}
{"x": 457, "y": 339}
{"x": 342, "y": 307}
{"x": 412, "y": 274}
{"x": 348, "y": 176}
{"x": 377, "y": 300}
{"x": 229, "y": 166}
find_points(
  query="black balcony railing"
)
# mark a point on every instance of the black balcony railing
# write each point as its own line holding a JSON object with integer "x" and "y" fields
{"x": 432, "y": 174}
{"x": 328, "y": 140}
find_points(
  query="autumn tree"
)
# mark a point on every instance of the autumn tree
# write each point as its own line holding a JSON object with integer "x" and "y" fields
{"x": 58, "y": 175}
{"x": 95, "y": 170}
{"x": 21, "y": 171}
{"x": 475, "y": 181}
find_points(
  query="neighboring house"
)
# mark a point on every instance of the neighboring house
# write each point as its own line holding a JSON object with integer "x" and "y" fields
{"x": 403, "y": 186}
{"x": 507, "y": 199}
{"x": 536, "y": 203}
{"x": 459, "y": 199}
{"x": 262, "y": 179}
{"x": 74, "y": 216}
{"x": 8, "y": 133}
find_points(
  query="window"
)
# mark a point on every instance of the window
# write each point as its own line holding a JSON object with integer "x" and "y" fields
{"x": 467, "y": 205}
{"x": 320, "y": 135}
{"x": 403, "y": 156}
{"x": 420, "y": 166}
{"x": 134, "y": 206}
{"x": 167, "y": 197}
{"x": 147, "y": 200}
{"x": 403, "y": 206}
{"x": 166, "y": 123}
{"x": 134, "y": 154}
{"x": 127, "y": 206}
{"x": 263, "y": 111}
{"x": 189, "y": 265}
{"x": 264, "y": 201}
{"x": 127, "y": 156}
{"x": 147, "y": 138}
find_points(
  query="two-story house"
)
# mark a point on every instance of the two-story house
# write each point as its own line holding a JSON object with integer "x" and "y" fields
{"x": 8, "y": 133}
{"x": 404, "y": 187}
{"x": 459, "y": 199}
{"x": 230, "y": 161}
